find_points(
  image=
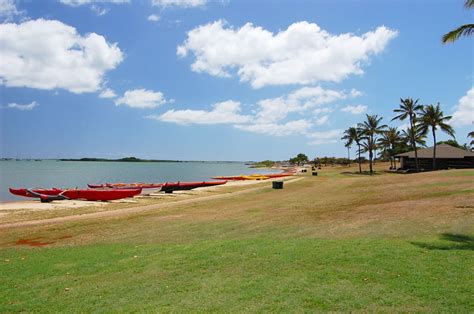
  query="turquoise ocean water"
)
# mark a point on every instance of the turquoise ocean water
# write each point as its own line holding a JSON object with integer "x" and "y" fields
{"x": 71, "y": 174}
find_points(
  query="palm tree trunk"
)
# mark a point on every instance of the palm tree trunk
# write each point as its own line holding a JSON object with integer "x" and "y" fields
{"x": 360, "y": 167}
{"x": 371, "y": 155}
{"x": 434, "y": 148}
{"x": 413, "y": 135}
{"x": 348, "y": 156}
{"x": 370, "y": 161}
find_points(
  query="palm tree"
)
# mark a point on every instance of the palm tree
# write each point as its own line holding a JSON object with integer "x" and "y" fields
{"x": 352, "y": 135}
{"x": 433, "y": 117}
{"x": 463, "y": 30}
{"x": 369, "y": 131}
{"x": 409, "y": 109}
{"x": 390, "y": 138}
{"x": 471, "y": 135}
{"x": 414, "y": 136}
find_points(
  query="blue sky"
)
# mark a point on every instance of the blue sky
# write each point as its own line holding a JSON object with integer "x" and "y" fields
{"x": 220, "y": 80}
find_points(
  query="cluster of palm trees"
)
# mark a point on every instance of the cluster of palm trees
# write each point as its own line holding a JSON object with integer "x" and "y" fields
{"x": 371, "y": 135}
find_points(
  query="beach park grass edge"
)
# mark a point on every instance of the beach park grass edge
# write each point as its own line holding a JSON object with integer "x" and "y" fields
{"x": 335, "y": 242}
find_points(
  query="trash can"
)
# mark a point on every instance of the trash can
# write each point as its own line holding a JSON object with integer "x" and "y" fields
{"x": 277, "y": 184}
{"x": 315, "y": 173}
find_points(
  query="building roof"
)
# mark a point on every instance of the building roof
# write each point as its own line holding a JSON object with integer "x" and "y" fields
{"x": 442, "y": 151}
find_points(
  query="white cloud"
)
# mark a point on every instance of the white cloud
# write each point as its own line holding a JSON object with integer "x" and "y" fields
{"x": 75, "y": 3}
{"x": 355, "y": 109}
{"x": 317, "y": 95}
{"x": 300, "y": 100}
{"x": 8, "y": 10}
{"x": 324, "y": 137}
{"x": 297, "y": 127}
{"x": 464, "y": 113}
{"x": 322, "y": 120}
{"x": 99, "y": 11}
{"x": 153, "y": 18}
{"x": 107, "y": 93}
{"x": 141, "y": 98}
{"x": 179, "y": 3}
{"x": 48, "y": 54}
{"x": 355, "y": 93}
{"x": 29, "y": 106}
{"x": 271, "y": 116}
{"x": 222, "y": 113}
{"x": 301, "y": 54}
{"x": 275, "y": 109}
{"x": 318, "y": 111}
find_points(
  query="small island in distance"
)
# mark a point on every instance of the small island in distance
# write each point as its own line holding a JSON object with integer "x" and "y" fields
{"x": 133, "y": 159}
{"x": 125, "y": 159}
{"x": 252, "y": 164}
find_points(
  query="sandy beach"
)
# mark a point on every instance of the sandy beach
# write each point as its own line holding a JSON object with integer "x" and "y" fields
{"x": 124, "y": 206}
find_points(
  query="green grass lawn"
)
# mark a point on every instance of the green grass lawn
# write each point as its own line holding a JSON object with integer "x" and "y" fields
{"x": 326, "y": 243}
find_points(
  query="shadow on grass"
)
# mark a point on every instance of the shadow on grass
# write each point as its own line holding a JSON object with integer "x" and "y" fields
{"x": 456, "y": 242}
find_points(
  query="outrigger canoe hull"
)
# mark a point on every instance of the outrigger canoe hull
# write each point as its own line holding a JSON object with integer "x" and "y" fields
{"x": 46, "y": 195}
{"x": 170, "y": 187}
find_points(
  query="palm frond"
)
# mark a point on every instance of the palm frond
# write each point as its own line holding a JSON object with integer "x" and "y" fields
{"x": 463, "y": 30}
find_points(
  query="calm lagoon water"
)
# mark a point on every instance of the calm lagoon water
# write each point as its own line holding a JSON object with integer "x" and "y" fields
{"x": 71, "y": 174}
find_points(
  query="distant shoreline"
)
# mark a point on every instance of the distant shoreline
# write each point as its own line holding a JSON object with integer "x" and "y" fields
{"x": 87, "y": 159}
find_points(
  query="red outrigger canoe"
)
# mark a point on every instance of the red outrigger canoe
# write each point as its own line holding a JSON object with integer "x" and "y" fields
{"x": 170, "y": 187}
{"x": 126, "y": 185}
{"x": 48, "y": 195}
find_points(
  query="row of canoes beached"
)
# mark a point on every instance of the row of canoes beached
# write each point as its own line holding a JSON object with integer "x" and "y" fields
{"x": 108, "y": 192}
{"x": 48, "y": 195}
{"x": 255, "y": 176}
{"x": 115, "y": 191}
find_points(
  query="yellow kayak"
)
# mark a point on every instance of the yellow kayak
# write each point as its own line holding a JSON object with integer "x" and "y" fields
{"x": 255, "y": 177}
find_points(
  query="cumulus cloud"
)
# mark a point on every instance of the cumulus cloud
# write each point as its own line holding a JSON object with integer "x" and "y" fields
{"x": 27, "y": 107}
{"x": 300, "y": 100}
{"x": 8, "y": 10}
{"x": 325, "y": 137}
{"x": 108, "y": 93}
{"x": 76, "y": 3}
{"x": 355, "y": 109}
{"x": 141, "y": 98}
{"x": 222, "y": 113}
{"x": 464, "y": 113}
{"x": 355, "y": 93}
{"x": 322, "y": 120}
{"x": 48, "y": 54}
{"x": 319, "y": 111}
{"x": 272, "y": 116}
{"x": 153, "y": 18}
{"x": 302, "y": 54}
{"x": 289, "y": 128}
{"x": 179, "y": 3}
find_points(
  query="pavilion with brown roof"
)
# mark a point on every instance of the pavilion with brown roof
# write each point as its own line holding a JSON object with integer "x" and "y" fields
{"x": 447, "y": 156}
